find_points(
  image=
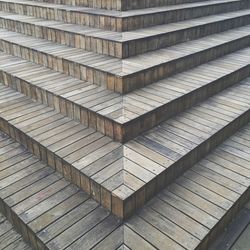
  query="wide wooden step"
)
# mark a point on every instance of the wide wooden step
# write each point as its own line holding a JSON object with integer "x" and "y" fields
{"x": 124, "y": 75}
{"x": 123, "y": 44}
{"x": 51, "y": 213}
{"x": 122, "y": 177}
{"x": 120, "y": 21}
{"x": 196, "y": 208}
{"x": 123, "y": 117}
{"x": 9, "y": 238}
{"x": 45, "y": 208}
{"x": 120, "y": 5}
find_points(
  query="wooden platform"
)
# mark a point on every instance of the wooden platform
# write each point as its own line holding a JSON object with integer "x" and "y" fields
{"x": 123, "y": 117}
{"x": 124, "y": 124}
{"x": 188, "y": 214}
{"x": 127, "y": 178}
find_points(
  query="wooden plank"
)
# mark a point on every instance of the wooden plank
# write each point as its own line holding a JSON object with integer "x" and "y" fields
{"x": 91, "y": 238}
{"x": 57, "y": 212}
{"x": 169, "y": 228}
{"x": 188, "y": 209}
{"x": 155, "y": 237}
{"x": 80, "y": 228}
{"x": 179, "y": 218}
{"x": 196, "y": 200}
{"x": 64, "y": 223}
{"x": 205, "y": 193}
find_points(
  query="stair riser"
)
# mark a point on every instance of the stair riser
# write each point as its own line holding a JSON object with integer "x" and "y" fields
{"x": 127, "y": 83}
{"x": 108, "y": 127}
{"x": 120, "y": 5}
{"x": 122, "y": 49}
{"x": 124, "y": 208}
{"x": 117, "y": 23}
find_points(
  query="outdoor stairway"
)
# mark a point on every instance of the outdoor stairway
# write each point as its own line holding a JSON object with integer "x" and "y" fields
{"x": 120, "y": 176}
{"x": 117, "y": 20}
{"x": 129, "y": 43}
{"x": 124, "y": 75}
{"x": 123, "y": 117}
{"x": 125, "y": 124}
{"x": 53, "y": 214}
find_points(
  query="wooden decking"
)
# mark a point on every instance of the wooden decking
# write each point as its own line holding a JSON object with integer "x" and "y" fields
{"x": 50, "y": 211}
{"x": 128, "y": 74}
{"x": 9, "y": 238}
{"x": 123, "y": 117}
{"x": 117, "y": 20}
{"x": 123, "y": 124}
{"x": 123, "y": 45}
{"x": 123, "y": 177}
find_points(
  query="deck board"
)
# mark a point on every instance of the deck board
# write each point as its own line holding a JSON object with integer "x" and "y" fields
{"x": 92, "y": 161}
{"x": 121, "y": 126}
{"x": 116, "y": 115}
{"x": 181, "y": 216}
{"x": 191, "y": 212}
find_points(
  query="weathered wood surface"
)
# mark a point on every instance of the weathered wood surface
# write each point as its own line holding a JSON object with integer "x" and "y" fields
{"x": 123, "y": 117}
{"x": 46, "y": 208}
{"x": 9, "y": 238}
{"x": 197, "y": 206}
{"x": 51, "y": 213}
{"x": 124, "y": 75}
{"x": 120, "y": 5}
{"x": 116, "y": 20}
{"x": 123, "y": 177}
{"x": 63, "y": 65}
{"x": 123, "y": 44}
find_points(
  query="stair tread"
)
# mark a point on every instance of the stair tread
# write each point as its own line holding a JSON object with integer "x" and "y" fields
{"x": 181, "y": 216}
{"x": 122, "y": 169}
{"x": 201, "y": 197}
{"x": 122, "y": 37}
{"x": 123, "y": 109}
{"x": 121, "y": 14}
{"x": 129, "y": 66}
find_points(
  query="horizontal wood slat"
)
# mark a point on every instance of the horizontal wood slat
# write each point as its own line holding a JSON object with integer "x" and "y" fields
{"x": 123, "y": 177}
{"x": 123, "y": 117}
{"x": 123, "y": 44}
{"x": 124, "y": 75}
{"x": 116, "y": 20}
{"x": 51, "y": 213}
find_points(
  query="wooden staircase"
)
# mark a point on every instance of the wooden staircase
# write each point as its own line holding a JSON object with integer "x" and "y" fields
{"x": 125, "y": 124}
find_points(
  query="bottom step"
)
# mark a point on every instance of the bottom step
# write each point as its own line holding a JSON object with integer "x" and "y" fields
{"x": 9, "y": 238}
{"x": 53, "y": 214}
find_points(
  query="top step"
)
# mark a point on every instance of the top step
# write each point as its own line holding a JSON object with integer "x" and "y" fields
{"x": 120, "y": 5}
